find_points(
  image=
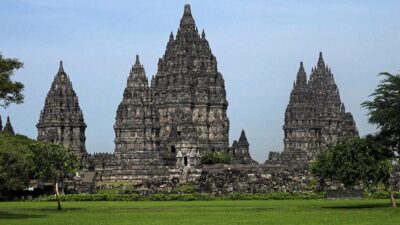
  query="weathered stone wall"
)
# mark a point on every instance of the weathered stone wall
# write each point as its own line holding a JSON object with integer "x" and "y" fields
{"x": 221, "y": 179}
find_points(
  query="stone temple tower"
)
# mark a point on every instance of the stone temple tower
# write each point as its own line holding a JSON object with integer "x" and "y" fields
{"x": 189, "y": 94}
{"x": 134, "y": 125}
{"x": 179, "y": 117}
{"x": 240, "y": 150}
{"x": 315, "y": 116}
{"x": 136, "y": 133}
{"x": 61, "y": 120}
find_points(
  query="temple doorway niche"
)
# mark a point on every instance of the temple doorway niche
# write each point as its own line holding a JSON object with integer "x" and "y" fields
{"x": 185, "y": 160}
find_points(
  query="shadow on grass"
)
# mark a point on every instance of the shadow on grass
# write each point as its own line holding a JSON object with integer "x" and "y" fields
{"x": 54, "y": 209}
{"x": 7, "y": 215}
{"x": 364, "y": 206}
{"x": 201, "y": 208}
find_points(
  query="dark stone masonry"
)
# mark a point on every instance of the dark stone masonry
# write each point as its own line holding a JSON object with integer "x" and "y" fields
{"x": 61, "y": 120}
{"x": 163, "y": 129}
{"x": 314, "y": 118}
{"x": 8, "y": 127}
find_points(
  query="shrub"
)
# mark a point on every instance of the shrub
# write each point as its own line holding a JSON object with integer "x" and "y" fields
{"x": 182, "y": 197}
{"x": 274, "y": 196}
{"x": 189, "y": 196}
{"x": 93, "y": 197}
{"x": 211, "y": 158}
{"x": 381, "y": 195}
{"x": 185, "y": 189}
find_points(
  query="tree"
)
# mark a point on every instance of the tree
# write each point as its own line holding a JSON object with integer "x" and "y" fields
{"x": 23, "y": 160}
{"x": 16, "y": 163}
{"x": 54, "y": 163}
{"x": 10, "y": 91}
{"x": 384, "y": 110}
{"x": 323, "y": 168}
{"x": 357, "y": 161}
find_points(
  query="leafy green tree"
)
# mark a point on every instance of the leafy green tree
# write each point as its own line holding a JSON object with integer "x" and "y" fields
{"x": 10, "y": 91}
{"x": 357, "y": 161}
{"x": 384, "y": 110}
{"x": 323, "y": 168}
{"x": 16, "y": 162}
{"x": 54, "y": 163}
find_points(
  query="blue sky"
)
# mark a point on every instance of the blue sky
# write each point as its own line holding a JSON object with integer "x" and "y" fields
{"x": 258, "y": 45}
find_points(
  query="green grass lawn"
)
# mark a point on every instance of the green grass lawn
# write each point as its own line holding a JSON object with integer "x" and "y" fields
{"x": 203, "y": 212}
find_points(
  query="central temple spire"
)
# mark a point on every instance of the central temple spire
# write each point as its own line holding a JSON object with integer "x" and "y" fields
{"x": 189, "y": 93}
{"x": 188, "y": 51}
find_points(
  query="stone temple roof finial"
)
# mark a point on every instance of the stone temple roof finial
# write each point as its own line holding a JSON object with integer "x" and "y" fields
{"x": 137, "y": 62}
{"x": 187, "y": 23}
{"x": 301, "y": 75}
{"x": 187, "y": 11}
{"x": 137, "y": 59}
{"x": 61, "y": 68}
{"x": 301, "y": 69}
{"x": 243, "y": 138}
{"x": 321, "y": 63}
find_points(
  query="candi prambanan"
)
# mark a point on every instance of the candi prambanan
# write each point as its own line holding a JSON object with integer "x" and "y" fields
{"x": 163, "y": 129}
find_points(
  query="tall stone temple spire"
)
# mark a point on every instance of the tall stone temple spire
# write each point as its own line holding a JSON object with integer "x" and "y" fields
{"x": 189, "y": 93}
{"x": 61, "y": 120}
{"x": 136, "y": 140}
{"x": 8, "y": 127}
{"x": 315, "y": 116}
{"x": 133, "y": 125}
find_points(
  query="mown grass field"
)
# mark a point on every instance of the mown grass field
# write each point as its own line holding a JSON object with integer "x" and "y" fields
{"x": 297, "y": 212}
